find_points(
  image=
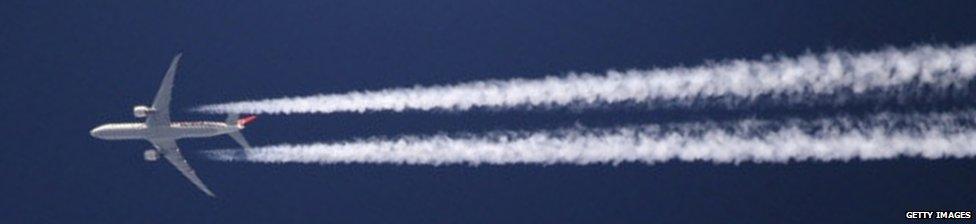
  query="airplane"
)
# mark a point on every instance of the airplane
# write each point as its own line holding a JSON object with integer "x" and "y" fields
{"x": 163, "y": 134}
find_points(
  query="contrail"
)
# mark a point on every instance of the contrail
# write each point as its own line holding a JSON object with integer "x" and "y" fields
{"x": 883, "y": 136}
{"x": 836, "y": 75}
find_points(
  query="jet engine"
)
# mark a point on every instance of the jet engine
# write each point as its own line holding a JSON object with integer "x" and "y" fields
{"x": 151, "y": 155}
{"x": 142, "y": 111}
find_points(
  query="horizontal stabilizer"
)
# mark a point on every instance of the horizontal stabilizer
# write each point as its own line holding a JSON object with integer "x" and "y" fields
{"x": 240, "y": 140}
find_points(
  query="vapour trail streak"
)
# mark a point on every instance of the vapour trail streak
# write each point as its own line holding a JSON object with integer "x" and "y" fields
{"x": 790, "y": 78}
{"x": 885, "y": 136}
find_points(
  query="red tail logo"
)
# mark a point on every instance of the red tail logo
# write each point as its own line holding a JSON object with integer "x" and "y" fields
{"x": 246, "y": 120}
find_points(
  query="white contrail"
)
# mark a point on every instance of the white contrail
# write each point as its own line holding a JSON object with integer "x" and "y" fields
{"x": 792, "y": 79}
{"x": 885, "y": 136}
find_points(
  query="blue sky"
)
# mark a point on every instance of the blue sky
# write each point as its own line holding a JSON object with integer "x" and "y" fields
{"x": 69, "y": 66}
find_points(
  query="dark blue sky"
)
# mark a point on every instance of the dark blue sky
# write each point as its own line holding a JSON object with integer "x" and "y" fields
{"x": 69, "y": 66}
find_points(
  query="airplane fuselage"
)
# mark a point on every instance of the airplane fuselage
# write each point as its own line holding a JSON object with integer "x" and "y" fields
{"x": 176, "y": 130}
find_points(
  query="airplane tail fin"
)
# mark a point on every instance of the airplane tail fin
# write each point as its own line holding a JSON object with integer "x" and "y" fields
{"x": 233, "y": 119}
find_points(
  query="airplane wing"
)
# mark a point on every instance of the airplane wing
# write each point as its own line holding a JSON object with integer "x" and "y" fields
{"x": 171, "y": 152}
{"x": 161, "y": 104}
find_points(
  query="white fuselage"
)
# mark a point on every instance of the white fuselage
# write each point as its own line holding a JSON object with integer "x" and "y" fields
{"x": 176, "y": 130}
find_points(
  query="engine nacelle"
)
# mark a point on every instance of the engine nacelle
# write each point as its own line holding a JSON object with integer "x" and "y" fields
{"x": 151, "y": 155}
{"x": 142, "y": 111}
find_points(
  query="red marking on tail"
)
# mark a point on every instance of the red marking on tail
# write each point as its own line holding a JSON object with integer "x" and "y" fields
{"x": 246, "y": 120}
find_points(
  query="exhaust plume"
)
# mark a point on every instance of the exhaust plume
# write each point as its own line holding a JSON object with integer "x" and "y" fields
{"x": 835, "y": 75}
{"x": 882, "y": 136}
